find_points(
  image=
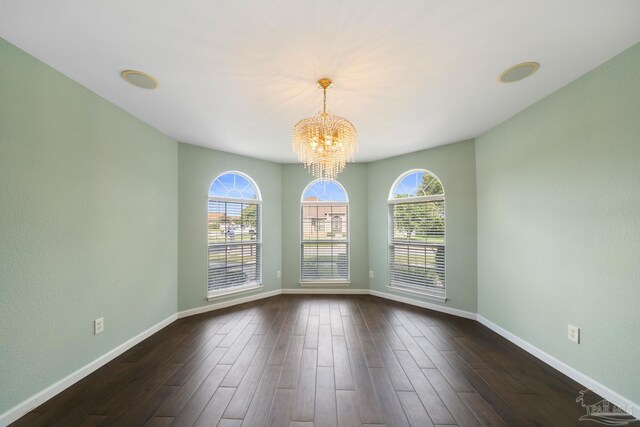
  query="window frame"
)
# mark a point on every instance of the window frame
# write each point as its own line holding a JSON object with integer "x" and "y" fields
{"x": 425, "y": 291}
{"x": 327, "y": 224}
{"x": 253, "y": 285}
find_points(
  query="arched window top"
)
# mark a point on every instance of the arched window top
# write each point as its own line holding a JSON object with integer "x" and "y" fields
{"x": 416, "y": 183}
{"x": 324, "y": 191}
{"x": 234, "y": 185}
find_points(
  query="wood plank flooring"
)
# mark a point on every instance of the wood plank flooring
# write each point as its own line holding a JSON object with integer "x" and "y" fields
{"x": 319, "y": 361}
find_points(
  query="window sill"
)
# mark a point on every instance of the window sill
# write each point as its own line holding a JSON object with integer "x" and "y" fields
{"x": 325, "y": 283}
{"x": 435, "y": 296}
{"x": 211, "y": 296}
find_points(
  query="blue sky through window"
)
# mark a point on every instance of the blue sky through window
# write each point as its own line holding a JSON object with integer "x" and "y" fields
{"x": 409, "y": 186}
{"x": 233, "y": 185}
{"x": 325, "y": 191}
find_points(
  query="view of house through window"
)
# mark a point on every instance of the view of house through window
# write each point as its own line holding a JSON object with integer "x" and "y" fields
{"x": 324, "y": 233}
{"x": 234, "y": 233}
{"x": 417, "y": 233}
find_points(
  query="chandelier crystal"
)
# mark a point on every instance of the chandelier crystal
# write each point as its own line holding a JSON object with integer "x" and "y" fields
{"x": 325, "y": 142}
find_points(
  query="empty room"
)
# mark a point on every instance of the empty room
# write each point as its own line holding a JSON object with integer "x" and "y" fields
{"x": 296, "y": 213}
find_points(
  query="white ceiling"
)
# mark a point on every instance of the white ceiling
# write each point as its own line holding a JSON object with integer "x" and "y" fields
{"x": 236, "y": 75}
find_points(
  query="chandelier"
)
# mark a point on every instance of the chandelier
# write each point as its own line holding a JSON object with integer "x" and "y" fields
{"x": 325, "y": 142}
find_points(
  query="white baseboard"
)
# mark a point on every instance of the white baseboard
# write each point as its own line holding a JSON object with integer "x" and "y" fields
{"x": 224, "y": 304}
{"x": 425, "y": 304}
{"x": 236, "y": 301}
{"x": 322, "y": 291}
{"x": 36, "y": 400}
{"x": 574, "y": 374}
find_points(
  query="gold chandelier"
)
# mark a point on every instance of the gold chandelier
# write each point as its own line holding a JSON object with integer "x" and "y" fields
{"x": 325, "y": 142}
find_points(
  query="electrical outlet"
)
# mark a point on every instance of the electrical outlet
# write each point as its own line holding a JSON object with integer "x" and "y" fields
{"x": 278, "y": 274}
{"x": 98, "y": 326}
{"x": 370, "y": 274}
{"x": 574, "y": 334}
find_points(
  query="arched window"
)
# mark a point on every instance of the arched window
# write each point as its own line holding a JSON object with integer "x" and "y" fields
{"x": 324, "y": 242}
{"x": 234, "y": 234}
{"x": 417, "y": 233}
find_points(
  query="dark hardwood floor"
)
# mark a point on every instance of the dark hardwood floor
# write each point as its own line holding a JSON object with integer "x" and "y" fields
{"x": 319, "y": 361}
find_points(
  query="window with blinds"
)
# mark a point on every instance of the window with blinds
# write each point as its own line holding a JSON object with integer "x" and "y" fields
{"x": 324, "y": 233}
{"x": 234, "y": 234}
{"x": 417, "y": 233}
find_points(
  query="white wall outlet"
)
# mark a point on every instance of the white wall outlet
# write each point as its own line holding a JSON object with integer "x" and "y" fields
{"x": 370, "y": 274}
{"x": 278, "y": 274}
{"x": 574, "y": 334}
{"x": 98, "y": 326}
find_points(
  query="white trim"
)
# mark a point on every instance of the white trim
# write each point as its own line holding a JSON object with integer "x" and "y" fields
{"x": 212, "y": 296}
{"x": 417, "y": 199}
{"x": 425, "y": 304}
{"x": 335, "y": 291}
{"x": 235, "y": 200}
{"x": 559, "y": 365}
{"x": 325, "y": 283}
{"x": 323, "y": 202}
{"x": 39, "y": 398}
{"x": 236, "y": 301}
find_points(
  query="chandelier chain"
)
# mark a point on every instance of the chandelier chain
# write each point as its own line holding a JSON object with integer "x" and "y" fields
{"x": 324, "y": 100}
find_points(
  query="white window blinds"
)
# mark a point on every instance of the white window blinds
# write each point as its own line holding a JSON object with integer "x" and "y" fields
{"x": 234, "y": 252}
{"x": 417, "y": 249}
{"x": 234, "y": 244}
{"x": 417, "y": 233}
{"x": 325, "y": 242}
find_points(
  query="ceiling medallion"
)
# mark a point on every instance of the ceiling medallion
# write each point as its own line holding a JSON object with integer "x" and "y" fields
{"x": 325, "y": 142}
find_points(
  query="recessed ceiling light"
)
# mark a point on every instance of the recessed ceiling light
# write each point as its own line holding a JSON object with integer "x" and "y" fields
{"x": 518, "y": 72}
{"x": 140, "y": 79}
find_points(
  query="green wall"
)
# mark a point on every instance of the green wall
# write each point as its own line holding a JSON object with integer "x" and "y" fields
{"x": 198, "y": 167}
{"x": 294, "y": 180}
{"x": 559, "y": 223}
{"x": 88, "y": 226}
{"x": 455, "y": 165}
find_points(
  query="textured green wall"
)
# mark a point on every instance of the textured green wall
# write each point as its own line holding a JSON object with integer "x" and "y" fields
{"x": 198, "y": 167}
{"x": 88, "y": 226}
{"x": 294, "y": 180}
{"x": 559, "y": 223}
{"x": 454, "y": 164}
